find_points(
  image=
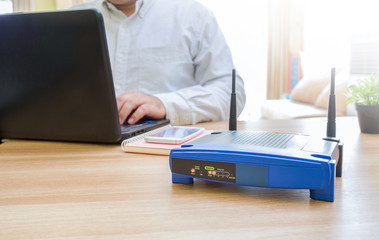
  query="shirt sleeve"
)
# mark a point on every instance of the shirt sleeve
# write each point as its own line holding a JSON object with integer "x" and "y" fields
{"x": 212, "y": 60}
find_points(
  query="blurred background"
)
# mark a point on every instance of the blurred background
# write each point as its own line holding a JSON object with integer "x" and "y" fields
{"x": 276, "y": 44}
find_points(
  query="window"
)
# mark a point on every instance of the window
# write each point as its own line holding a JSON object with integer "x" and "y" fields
{"x": 6, "y": 6}
{"x": 342, "y": 33}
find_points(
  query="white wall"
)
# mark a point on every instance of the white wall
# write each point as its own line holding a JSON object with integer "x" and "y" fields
{"x": 245, "y": 26}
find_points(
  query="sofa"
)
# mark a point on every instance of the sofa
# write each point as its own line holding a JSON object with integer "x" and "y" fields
{"x": 310, "y": 98}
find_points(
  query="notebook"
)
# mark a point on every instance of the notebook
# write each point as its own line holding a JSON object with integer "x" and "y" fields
{"x": 139, "y": 145}
{"x": 56, "y": 81}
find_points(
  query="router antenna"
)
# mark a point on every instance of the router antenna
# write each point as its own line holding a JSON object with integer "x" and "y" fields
{"x": 331, "y": 124}
{"x": 233, "y": 107}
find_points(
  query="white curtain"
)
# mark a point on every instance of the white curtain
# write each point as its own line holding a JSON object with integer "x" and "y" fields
{"x": 23, "y": 5}
{"x": 285, "y": 39}
{"x": 29, "y": 5}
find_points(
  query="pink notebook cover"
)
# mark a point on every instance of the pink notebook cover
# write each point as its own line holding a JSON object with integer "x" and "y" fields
{"x": 141, "y": 146}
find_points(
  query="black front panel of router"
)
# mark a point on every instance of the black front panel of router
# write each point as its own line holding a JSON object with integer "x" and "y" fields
{"x": 217, "y": 171}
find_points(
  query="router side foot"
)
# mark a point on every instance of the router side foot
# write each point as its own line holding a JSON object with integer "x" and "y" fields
{"x": 328, "y": 193}
{"x": 321, "y": 194}
{"x": 340, "y": 160}
{"x": 176, "y": 178}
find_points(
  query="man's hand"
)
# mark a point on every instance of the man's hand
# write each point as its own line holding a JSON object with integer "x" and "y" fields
{"x": 142, "y": 104}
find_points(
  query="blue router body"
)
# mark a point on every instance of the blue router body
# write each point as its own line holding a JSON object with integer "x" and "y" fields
{"x": 261, "y": 159}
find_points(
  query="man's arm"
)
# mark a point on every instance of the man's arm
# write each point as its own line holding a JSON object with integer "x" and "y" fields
{"x": 212, "y": 60}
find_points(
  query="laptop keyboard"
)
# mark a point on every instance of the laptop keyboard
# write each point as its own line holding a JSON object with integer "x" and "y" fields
{"x": 128, "y": 128}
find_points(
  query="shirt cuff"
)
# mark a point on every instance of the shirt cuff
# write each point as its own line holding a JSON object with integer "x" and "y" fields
{"x": 177, "y": 109}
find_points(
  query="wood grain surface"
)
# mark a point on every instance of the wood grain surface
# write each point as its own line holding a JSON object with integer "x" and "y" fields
{"x": 57, "y": 190}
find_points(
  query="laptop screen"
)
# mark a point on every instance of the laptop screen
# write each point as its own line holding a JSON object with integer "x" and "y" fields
{"x": 55, "y": 78}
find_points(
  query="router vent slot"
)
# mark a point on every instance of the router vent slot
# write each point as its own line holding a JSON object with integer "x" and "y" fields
{"x": 264, "y": 139}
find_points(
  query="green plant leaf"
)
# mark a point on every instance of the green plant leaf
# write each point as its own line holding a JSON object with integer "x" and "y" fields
{"x": 365, "y": 91}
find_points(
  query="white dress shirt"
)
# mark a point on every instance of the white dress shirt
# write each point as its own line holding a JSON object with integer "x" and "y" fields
{"x": 174, "y": 50}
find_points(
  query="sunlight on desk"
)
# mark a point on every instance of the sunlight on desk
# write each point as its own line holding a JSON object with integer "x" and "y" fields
{"x": 56, "y": 190}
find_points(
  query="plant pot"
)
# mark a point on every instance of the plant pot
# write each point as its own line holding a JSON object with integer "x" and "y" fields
{"x": 368, "y": 117}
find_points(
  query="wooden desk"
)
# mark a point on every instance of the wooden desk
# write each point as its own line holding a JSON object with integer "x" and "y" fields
{"x": 53, "y": 190}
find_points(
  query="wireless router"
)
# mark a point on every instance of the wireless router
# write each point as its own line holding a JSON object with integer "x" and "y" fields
{"x": 263, "y": 159}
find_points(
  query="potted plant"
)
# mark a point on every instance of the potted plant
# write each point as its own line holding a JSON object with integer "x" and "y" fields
{"x": 365, "y": 95}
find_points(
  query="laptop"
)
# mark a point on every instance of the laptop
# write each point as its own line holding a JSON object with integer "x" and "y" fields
{"x": 56, "y": 81}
